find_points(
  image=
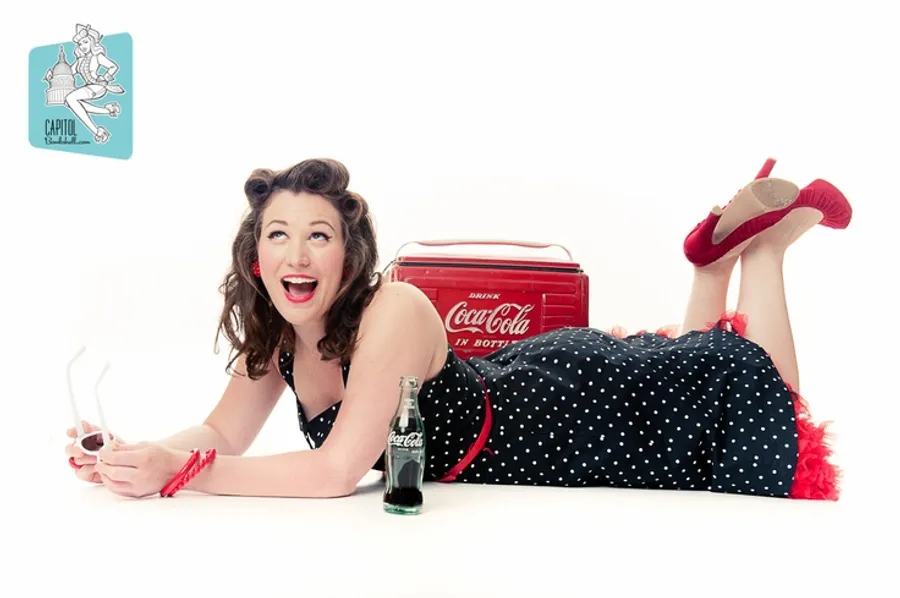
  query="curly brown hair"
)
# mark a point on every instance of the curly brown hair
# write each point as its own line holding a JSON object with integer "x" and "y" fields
{"x": 249, "y": 319}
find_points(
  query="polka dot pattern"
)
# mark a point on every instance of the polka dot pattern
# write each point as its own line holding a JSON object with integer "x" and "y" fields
{"x": 581, "y": 407}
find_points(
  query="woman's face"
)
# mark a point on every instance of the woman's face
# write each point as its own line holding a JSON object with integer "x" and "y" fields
{"x": 301, "y": 255}
{"x": 85, "y": 44}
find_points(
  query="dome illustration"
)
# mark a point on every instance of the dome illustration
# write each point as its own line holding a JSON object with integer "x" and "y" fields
{"x": 61, "y": 79}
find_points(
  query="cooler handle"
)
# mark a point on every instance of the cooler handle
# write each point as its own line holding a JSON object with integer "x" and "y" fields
{"x": 445, "y": 242}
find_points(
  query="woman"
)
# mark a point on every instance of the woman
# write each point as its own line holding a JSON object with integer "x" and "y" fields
{"x": 90, "y": 55}
{"x": 706, "y": 410}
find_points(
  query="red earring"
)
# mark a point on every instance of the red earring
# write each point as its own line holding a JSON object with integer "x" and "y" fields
{"x": 256, "y": 269}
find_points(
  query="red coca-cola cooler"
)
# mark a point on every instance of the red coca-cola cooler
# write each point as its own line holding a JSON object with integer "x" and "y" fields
{"x": 488, "y": 301}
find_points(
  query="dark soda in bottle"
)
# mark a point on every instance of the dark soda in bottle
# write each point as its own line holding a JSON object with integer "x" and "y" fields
{"x": 405, "y": 455}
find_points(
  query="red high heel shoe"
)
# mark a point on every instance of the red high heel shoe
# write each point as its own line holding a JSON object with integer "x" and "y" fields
{"x": 766, "y": 201}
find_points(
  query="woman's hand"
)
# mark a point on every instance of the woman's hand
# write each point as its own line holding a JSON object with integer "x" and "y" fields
{"x": 82, "y": 463}
{"x": 138, "y": 470}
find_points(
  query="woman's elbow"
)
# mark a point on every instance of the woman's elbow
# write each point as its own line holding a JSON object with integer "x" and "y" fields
{"x": 347, "y": 481}
{"x": 337, "y": 485}
{"x": 342, "y": 490}
{"x": 342, "y": 478}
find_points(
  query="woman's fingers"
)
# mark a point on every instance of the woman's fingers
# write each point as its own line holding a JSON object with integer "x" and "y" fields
{"x": 88, "y": 474}
{"x": 85, "y": 465}
{"x": 123, "y": 488}
{"x": 78, "y": 457}
{"x": 117, "y": 473}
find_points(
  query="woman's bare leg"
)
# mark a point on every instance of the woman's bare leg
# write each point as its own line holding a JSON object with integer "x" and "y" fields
{"x": 762, "y": 296}
{"x": 74, "y": 102}
{"x": 709, "y": 293}
{"x": 88, "y": 107}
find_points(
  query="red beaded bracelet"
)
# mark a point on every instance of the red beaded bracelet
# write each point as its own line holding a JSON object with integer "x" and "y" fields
{"x": 190, "y": 469}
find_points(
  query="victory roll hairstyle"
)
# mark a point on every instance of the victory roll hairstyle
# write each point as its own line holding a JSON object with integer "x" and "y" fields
{"x": 249, "y": 320}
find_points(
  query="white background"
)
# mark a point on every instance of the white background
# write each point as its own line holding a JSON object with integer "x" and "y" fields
{"x": 611, "y": 128}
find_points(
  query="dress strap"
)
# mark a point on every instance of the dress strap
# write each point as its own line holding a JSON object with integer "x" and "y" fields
{"x": 478, "y": 445}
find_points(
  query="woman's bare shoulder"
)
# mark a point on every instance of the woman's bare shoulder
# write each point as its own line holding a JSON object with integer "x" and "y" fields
{"x": 407, "y": 308}
{"x": 397, "y": 298}
{"x": 397, "y": 290}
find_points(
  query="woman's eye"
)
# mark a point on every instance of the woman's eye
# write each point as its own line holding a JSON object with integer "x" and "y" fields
{"x": 321, "y": 236}
{"x": 274, "y": 233}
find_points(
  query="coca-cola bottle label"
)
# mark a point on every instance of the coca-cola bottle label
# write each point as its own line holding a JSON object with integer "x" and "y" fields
{"x": 414, "y": 440}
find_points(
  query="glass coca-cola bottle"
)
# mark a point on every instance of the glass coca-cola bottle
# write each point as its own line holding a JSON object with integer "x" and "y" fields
{"x": 405, "y": 455}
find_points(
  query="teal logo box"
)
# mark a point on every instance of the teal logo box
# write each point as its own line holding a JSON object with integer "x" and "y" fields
{"x": 81, "y": 95}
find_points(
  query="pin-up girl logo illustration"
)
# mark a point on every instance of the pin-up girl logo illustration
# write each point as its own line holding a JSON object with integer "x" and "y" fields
{"x": 90, "y": 55}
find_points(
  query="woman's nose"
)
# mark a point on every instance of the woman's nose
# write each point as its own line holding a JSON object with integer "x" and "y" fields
{"x": 298, "y": 255}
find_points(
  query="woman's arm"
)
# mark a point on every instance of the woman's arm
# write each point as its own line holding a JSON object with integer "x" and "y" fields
{"x": 196, "y": 437}
{"x": 111, "y": 67}
{"x": 238, "y": 417}
{"x": 301, "y": 474}
{"x": 359, "y": 435}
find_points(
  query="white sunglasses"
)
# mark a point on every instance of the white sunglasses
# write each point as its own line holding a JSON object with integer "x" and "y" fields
{"x": 90, "y": 442}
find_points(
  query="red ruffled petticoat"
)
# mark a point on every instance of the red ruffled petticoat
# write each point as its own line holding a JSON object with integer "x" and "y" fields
{"x": 815, "y": 478}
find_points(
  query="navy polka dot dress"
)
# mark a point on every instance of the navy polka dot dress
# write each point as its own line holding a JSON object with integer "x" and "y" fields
{"x": 582, "y": 407}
